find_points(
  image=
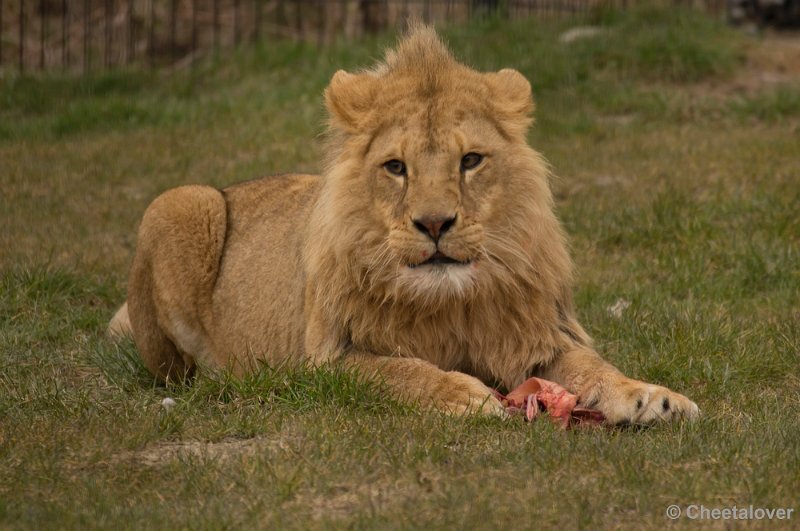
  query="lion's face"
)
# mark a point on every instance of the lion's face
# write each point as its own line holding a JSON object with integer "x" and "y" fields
{"x": 438, "y": 181}
{"x": 434, "y": 178}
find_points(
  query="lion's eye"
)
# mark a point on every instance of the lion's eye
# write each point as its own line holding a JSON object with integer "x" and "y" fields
{"x": 470, "y": 161}
{"x": 395, "y": 167}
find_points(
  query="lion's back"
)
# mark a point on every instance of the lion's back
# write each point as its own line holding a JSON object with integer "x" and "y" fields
{"x": 258, "y": 296}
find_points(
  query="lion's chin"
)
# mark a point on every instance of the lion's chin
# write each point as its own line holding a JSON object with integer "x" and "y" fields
{"x": 438, "y": 280}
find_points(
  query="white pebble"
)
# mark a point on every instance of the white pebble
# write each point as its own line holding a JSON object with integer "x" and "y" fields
{"x": 616, "y": 309}
{"x": 168, "y": 403}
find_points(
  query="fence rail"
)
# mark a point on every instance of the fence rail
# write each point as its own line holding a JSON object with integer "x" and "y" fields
{"x": 84, "y": 35}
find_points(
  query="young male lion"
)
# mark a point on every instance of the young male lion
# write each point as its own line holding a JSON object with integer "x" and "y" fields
{"x": 427, "y": 255}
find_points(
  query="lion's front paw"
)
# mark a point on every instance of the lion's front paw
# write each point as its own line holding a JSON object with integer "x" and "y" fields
{"x": 460, "y": 393}
{"x": 626, "y": 401}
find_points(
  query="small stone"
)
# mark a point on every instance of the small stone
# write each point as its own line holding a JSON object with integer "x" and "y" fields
{"x": 616, "y": 309}
{"x": 168, "y": 403}
{"x": 580, "y": 33}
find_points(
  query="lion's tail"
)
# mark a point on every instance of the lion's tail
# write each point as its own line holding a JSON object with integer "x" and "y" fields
{"x": 120, "y": 325}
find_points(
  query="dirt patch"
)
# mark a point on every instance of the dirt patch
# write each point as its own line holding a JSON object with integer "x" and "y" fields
{"x": 224, "y": 450}
{"x": 771, "y": 61}
{"x": 377, "y": 493}
{"x": 346, "y": 499}
{"x": 320, "y": 502}
{"x": 778, "y": 53}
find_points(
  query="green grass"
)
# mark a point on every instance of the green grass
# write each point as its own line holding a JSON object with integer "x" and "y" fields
{"x": 679, "y": 196}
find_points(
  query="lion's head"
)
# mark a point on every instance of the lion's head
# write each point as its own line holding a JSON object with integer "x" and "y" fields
{"x": 431, "y": 192}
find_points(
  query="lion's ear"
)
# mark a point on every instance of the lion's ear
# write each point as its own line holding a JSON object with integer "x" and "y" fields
{"x": 348, "y": 98}
{"x": 512, "y": 96}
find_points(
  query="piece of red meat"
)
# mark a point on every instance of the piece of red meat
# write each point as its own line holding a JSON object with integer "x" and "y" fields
{"x": 535, "y": 395}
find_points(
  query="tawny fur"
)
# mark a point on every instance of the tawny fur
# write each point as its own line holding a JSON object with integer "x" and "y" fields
{"x": 327, "y": 269}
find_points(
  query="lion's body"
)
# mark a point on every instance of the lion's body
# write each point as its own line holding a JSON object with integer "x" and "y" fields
{"x": 438, "y": 272}
{"x": 258, "y": 299}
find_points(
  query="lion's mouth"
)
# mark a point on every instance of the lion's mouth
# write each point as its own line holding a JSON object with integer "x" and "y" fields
{"x": 439, "y": 258}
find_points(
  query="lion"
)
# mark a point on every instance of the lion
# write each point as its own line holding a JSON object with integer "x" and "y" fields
{"x": 428, "y": 254}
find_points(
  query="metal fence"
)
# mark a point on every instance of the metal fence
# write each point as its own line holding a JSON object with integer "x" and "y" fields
{"x": 85, "y": 35}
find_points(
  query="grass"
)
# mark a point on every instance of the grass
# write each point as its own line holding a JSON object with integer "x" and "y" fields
{"x": 679, "y": 195}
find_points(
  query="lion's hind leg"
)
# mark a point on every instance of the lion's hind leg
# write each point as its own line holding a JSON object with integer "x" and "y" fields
{"x": 172, "y": 279}
{"x": 158, "y": 352}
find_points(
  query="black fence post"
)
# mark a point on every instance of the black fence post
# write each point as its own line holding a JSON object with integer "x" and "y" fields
{"x": 236, "y": 28}
{"x": 258, "y": 14}
{"x": 42, "y": 31}
{"x": 298, "y": 19}
{"x": 107, "y": 44}
{"x": 215, "y": 29}
{"x": 280, "y": 14}
{"x": 320, "y": 9}
{"x": 1, "y": 32}
{"x": 173, "y": 28}
{"x": 86, "y": 36}
{"x": 194, "y": 28}
{"x": 22, "y": 36}
{"x": 151, "y": 37}
{"x": 131, "y": 32}
{"x": 64, "y": 31}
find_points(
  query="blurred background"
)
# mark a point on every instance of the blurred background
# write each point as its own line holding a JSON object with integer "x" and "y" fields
{"x": 87, "y": 34}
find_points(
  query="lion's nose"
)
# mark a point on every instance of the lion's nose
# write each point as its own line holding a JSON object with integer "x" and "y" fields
{"x": 434, "y": 226}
